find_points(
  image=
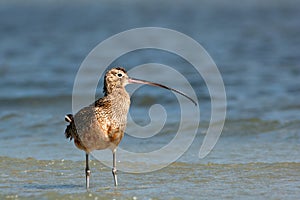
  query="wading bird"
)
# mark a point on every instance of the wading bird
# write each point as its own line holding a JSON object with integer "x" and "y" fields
{"x": 101, "y": 125}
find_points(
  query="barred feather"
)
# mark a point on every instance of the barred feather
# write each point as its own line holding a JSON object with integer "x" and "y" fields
{"x": 70, "y": 128}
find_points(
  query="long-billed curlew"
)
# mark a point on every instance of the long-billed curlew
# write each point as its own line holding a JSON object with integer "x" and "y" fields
{"x": 101, "y": 125}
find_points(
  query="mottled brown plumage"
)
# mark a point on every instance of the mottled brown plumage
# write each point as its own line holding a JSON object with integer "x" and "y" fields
{"x": 101, "y": 125}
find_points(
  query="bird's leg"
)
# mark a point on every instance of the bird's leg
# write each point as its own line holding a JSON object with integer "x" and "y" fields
{"x": 87, "y": 171}
{"x": 114, "y": 169}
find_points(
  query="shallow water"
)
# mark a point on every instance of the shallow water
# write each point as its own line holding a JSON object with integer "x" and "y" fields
{"x": 57, "y": 179}
{"x": 256, "y": 47}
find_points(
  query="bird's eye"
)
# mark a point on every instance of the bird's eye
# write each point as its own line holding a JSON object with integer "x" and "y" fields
{"x": 119, "y": 75}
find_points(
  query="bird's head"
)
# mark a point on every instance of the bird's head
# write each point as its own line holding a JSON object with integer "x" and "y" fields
{"x": 118, "y": 78}
{"x": 115, "y": 78}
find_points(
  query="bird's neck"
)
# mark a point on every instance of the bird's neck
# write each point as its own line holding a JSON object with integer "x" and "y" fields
{"x": 120, "y": 101}
{"x": 119, "y": 95}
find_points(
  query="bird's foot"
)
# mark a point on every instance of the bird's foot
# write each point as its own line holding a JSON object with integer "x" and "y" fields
{"x": 114, "y": 172}
{"x": 87, "y": 178}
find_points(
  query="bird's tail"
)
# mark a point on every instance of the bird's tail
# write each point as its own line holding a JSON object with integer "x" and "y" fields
{"x": 68, "y": 132}
{"x": 69, "y": 118}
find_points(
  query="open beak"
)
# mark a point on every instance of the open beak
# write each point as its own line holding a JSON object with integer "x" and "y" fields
{"x": 139, "y": 81}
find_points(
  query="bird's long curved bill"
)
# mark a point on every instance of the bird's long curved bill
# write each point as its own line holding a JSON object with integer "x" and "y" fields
{"x": 139, "y": 81}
